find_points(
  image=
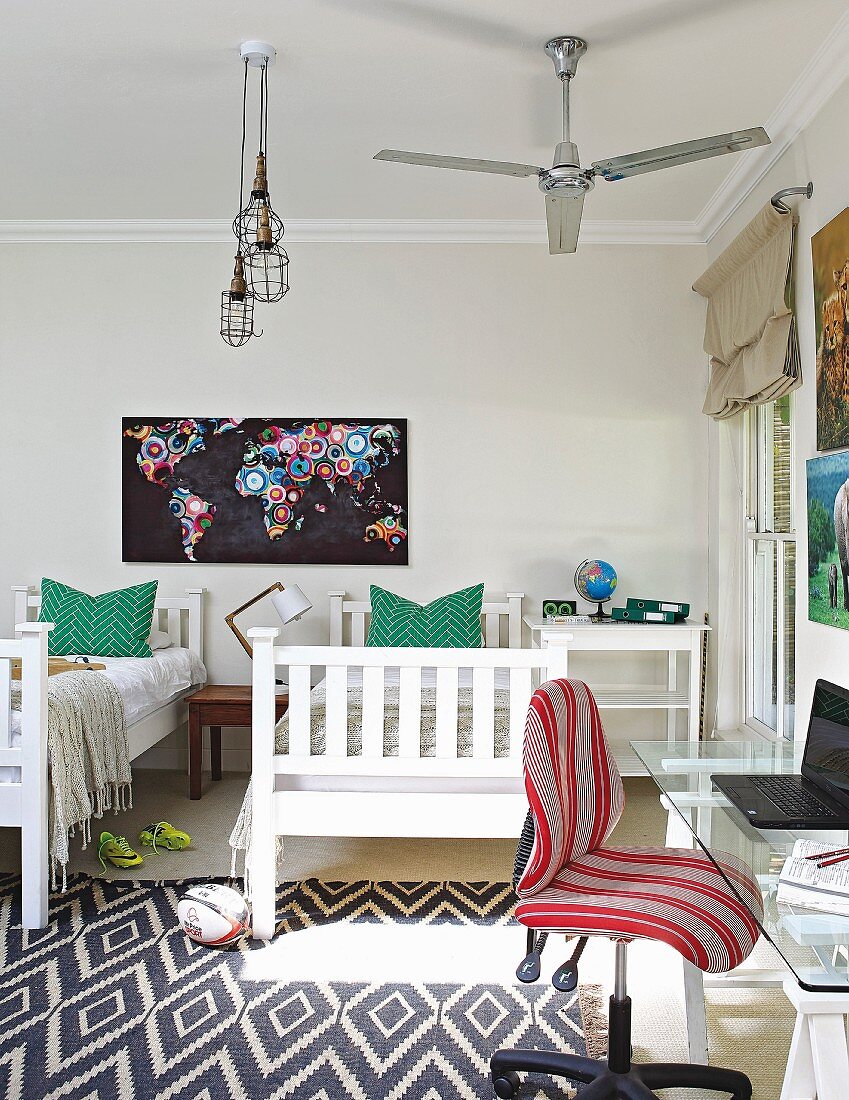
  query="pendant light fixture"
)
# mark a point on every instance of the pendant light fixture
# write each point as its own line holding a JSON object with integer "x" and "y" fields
{"x": 261, "y": 272}
{"x": 237, "y": 308}
{"x": 257, "y": 227}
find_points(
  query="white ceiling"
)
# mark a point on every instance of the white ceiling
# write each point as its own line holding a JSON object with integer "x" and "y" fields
{"x": 131, "y": 110}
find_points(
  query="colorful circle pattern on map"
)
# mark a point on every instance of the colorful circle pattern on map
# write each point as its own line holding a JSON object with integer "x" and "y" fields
{"x": 195, "y": 517}
{"x": 387, "y": 530}
{"x": 290, "y": 458}
{"x": 163, "y": 444}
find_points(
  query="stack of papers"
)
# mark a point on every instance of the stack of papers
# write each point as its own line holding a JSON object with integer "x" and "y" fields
{"x": 801, "y": 882}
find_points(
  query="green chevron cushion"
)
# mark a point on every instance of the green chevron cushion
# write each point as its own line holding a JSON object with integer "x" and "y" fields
{"x": 114, "y": 624}
{"x": 451, "y": 622}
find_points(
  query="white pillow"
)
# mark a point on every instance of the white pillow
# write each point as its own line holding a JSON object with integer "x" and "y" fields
{"x": 159, "y": 640}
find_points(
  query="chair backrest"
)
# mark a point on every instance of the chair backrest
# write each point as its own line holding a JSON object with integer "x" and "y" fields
{"x": 573, "y": 785}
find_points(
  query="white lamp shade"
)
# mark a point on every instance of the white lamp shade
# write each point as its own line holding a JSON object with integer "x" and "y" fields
{"x": 290, "y": 604}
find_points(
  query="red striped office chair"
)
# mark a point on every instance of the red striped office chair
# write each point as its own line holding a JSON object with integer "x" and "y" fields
{"x": 570, "y": 883}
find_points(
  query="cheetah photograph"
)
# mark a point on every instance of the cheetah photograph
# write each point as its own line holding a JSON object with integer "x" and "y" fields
{"x": 830, "y": 251}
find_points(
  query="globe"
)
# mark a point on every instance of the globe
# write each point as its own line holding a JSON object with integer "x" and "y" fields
{"x": 596, "y": 582}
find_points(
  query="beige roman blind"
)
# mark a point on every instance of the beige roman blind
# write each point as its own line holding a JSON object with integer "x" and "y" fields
{"x": 750, "y": 333}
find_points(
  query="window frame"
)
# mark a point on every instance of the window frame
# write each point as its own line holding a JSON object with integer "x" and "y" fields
{"x": 758, "y": 518}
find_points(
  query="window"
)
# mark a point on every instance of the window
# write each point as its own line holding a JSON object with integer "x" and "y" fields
{"x": 770, "y": 571}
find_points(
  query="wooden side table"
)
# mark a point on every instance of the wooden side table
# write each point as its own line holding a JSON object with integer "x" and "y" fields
{"x": 217, "y": 705}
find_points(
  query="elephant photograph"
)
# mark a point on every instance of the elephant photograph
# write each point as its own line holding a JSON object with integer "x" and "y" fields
{"x": 828, "y": 539}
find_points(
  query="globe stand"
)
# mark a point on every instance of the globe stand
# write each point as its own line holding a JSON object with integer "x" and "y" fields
{"x": 600, "y": 615}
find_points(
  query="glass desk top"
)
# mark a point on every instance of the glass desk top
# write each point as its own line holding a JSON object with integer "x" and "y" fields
{"x": 813, "y": 944}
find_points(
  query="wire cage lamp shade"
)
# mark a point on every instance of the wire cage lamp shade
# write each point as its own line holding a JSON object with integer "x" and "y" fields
{"x": 237, "y": 309}
{"x": 267, "y": 270}
{"x": 258, "y": 221}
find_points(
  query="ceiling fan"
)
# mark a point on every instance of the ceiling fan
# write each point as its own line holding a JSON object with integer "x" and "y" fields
{"x": 565, "y": 183}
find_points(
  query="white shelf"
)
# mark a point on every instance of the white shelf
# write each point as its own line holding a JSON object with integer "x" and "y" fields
{"x": 627, "y": 761}
{"x": 638, "y": 697}
{"x": 672, "y": 640}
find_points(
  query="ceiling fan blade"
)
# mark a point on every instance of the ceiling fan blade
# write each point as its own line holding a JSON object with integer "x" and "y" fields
{"x": 463, "y": 164}
{"x": 563, "y": 216}
{"x": 652, "y": 160}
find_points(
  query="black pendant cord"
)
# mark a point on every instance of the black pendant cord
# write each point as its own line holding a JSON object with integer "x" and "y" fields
{"x": 265, "y": 122}
{"x": 242, "y": 155}
{"x": 262, "y": 106}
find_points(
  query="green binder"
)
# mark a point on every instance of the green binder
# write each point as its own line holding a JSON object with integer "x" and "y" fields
{"x": 638, "y": 615}
{"x": 682, "y": 610}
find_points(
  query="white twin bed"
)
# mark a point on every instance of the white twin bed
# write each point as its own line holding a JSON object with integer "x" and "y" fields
{"x": 152, "y": 690}
{"x": 394, "y": 742}
{"x": 391, "y": 742}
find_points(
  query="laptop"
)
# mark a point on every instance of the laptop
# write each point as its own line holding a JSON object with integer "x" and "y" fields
{"x": 819, "y": 797}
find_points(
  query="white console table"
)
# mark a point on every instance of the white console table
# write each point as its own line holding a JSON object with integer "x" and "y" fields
{"x": 680, "y": 692}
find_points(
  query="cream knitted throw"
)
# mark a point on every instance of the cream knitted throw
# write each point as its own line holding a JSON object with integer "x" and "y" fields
{"x": 88, "y": 757}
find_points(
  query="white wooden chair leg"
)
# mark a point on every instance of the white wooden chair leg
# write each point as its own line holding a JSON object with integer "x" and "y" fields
{"x": 694, "y": 1009}
{"x": 818, "y": 1064}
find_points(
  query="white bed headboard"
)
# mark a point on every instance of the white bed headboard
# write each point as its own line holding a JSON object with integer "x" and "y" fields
{"x": 181, "y": 617}
{"x": 493, "y": 613}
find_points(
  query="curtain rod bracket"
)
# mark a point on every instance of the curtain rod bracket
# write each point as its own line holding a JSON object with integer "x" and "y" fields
{"x": 778, "y": 198}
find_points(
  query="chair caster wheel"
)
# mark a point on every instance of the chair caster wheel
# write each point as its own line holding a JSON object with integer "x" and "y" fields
{"x": 507, "y": 1085}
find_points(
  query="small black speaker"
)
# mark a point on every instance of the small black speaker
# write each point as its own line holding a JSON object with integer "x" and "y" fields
{"x": 558, "y": 607}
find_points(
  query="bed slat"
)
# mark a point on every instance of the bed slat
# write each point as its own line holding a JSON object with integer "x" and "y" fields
{"x": 299, "y": 710}
{"x": 358, "y": 630}
{"x": 5, "y": 704}
{"x": 447, "y": 680}
{"x": 483, "y": 713}
{"x": 410, "y": 712}
{"x": 336, "y": 710}
{"x": 493, "y": 631}
{"x": 521, "y": 690}
{"x": 373, "y": 711}
{"x": 174, "y": 625}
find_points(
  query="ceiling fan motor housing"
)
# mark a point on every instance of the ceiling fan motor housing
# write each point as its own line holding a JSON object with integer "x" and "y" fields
{"x": 566, "y": 173}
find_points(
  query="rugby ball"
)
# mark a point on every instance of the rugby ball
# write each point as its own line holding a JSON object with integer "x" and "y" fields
{"x": 213, "y": 914}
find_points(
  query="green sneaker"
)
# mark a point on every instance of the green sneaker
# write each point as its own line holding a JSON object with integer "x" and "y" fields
{"x": 162, "y": 834}
{"x": 117, "y": 851}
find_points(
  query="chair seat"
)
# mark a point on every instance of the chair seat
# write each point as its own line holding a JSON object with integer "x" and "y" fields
{"x": 674, "y": 895}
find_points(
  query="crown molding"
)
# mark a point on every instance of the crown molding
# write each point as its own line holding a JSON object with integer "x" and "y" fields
{"x": 376, "y": 231}
{"x": 815, "y": 85}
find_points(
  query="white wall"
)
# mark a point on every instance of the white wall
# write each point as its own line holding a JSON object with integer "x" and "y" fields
{"x": 553, "y": 406}
{"x": 820, "y": 153}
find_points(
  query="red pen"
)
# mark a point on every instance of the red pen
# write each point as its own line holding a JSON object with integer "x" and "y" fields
{"x": 833, "y": 859}
{"x": 828, "y": 855}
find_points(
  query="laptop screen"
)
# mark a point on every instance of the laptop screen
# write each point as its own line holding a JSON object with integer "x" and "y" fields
{"x": 826, "y": 759}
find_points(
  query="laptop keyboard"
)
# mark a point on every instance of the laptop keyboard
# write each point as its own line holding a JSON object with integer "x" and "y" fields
{"x": 790, "y": 798}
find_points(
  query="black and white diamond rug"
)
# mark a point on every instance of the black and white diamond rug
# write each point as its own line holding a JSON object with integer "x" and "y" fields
{"x": 113, "y": 1002}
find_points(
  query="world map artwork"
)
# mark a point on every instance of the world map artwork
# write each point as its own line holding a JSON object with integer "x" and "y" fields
{"x": 265, "y": 490}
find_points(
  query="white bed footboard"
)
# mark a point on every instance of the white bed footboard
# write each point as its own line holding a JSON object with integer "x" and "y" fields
{"x": 24, "y": 804}
{"x": 307, "y": 793}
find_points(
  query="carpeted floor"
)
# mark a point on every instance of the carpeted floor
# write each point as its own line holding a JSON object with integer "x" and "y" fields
{"x": 749, "y": 1029}
{"x": 161, "y": 795}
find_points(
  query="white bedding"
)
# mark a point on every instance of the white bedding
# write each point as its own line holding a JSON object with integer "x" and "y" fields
{"x": 144, "y": 683}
